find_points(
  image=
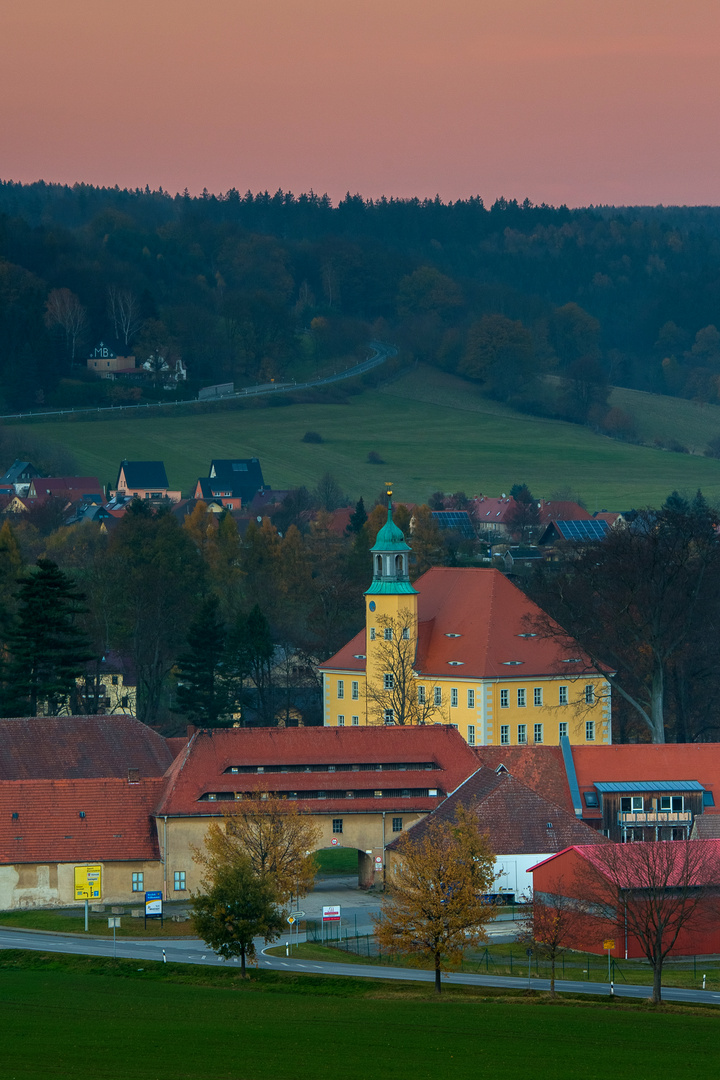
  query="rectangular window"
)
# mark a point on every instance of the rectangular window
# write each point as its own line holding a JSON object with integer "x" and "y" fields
{"x": 387, "y": 633}
{"x": 406, "y": 633}
{"x": 421, "y": 695}
{"x": 356, "y": 721}
{"x": 537, "y": 733}
{"x": 438, "y": 695}
{"x": 137, "y": 882}
{"x": 372, "y": 633}
{"x": 537, "y": 695}
{"x": 341, "y": 688}
{"x": 521, "y": 699}
{"x": 389, "y": 716}
{"x": 563, "y": 698}
{"x": 590, "y": 694}
{"x": 397, "y": 824}
{"x": 673, "y": 803}
{"x": 453, "y": 698}
{"x": 337, "y": 824}
{"x": 341, "y": 721}
{"x": 354, "y": 690}
{"x": 471, "y": 699}
{"x": 505, "y": 734}
{"x": 504, "y": 699}
{"x": 388, "y": 681}
{"x": 590, "y": 731}
{"x": 522, "y": 733}
{"x": 563, "y": 729}
{"x": 471, "y": 734}
{"x": 179, "y": 880}
{"x": 634, "y": 804}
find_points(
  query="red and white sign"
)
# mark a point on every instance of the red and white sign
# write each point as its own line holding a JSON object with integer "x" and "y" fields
{"x": 378, "y": 864}
{"x": 331, "y": 914}
{"x": 334, "y": 842}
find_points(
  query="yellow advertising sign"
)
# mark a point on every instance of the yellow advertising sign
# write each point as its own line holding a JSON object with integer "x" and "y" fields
{"x": 88, "y": 882}
{"x": 609, "y": 943}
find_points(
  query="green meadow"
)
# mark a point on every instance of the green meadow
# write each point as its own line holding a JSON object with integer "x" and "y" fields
{"x": 432, "y": 431}
{"x": 69, "y": 1018}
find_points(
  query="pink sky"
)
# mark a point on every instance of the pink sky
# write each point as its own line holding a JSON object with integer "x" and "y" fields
{"x": 577, "y": 101}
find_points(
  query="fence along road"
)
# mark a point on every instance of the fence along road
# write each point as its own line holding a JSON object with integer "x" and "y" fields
{"x": 193, "y": 951}
{"x": 381, "y": 353}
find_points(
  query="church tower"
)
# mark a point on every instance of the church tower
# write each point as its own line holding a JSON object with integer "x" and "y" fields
{"x": 391, "y": 601}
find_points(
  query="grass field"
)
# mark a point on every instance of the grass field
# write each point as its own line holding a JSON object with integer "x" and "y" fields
{"x": 72, "y": 1017}
{"x": 337, "y": 861}
{"x": 60, "y": 923}
{"x": 432, "y": 430}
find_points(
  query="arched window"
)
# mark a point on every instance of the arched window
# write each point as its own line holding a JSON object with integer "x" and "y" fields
{"x": 378, "y": 565}
{"x": 398, "y": 564}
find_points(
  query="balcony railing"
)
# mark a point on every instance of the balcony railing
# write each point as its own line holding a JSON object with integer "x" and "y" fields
{"x": 655, "y": 817}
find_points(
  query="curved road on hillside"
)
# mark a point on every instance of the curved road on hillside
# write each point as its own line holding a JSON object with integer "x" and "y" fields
{"x": 194, "y": 951}
{"x": 381, "y": 353}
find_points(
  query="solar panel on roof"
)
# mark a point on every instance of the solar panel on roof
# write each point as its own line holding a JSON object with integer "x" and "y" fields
{"x": 582, "y": 530}
{"x": 454, "y": 519}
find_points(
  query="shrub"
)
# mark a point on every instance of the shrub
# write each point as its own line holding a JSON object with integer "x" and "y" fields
{"x": 312, "y": 437}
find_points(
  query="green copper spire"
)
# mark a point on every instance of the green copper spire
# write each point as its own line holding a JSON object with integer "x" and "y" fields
{"x": 391, "y": 572}
{"x": 390, "y": 537}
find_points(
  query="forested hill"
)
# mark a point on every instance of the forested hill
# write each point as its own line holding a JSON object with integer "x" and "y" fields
{"x": 251, "y": 287}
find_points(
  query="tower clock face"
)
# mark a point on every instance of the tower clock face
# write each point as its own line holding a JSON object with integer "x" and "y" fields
{"x": 371, "y": 605}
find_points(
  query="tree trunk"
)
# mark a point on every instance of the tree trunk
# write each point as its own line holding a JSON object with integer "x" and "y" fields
{"x": 438, "y": 983}
{"x": 552, "y": 975}
{"x": 242, "y": 963}
{"x": 657, "y": 982}
{"x": 657, "y": 704}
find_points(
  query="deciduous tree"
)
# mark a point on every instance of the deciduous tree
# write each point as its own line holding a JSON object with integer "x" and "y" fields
{"x": 397, "y": 692}
{"x": 435, "y": 904}
{"x": 550, "y": 925}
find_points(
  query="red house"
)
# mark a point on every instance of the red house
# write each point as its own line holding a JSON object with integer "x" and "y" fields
{"x": 674, "y": 885}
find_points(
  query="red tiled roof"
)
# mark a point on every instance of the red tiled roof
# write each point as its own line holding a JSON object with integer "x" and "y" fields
{"x": 647, "y": 762}
{"x": 700, "y": 867}
{"x": 117, "y": 823}
{"x": 562, "y": 510}
{"x": 515, "y": 817}
{"x": 74, "y": 747}
{"x": 707, "y": 827}
{"x": 540, "y": 767}
{"x": 490, "y": 614}
{"x": 489, "y": 511}
{"x": 201, "y": 767}
{"x": 67, "y": 486}
{"x": 176, "y": 743}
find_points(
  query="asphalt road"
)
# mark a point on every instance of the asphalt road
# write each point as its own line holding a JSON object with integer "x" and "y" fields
{"x": 193, "y": 951}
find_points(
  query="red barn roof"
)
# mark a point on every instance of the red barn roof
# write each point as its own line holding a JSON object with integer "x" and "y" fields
{"x": 332, "y": 760}
{"x": 701, "y": 867}
{"x": 476, "y": 624}
{"x": 80, "y": 747}
{"x": 40, "y": 820}
{"x": 540, "y": 767}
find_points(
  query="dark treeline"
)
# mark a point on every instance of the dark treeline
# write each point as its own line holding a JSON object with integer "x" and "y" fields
{"x": 251, "y": 287}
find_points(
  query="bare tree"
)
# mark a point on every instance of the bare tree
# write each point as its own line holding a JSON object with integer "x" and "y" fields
{"x": 550, "y": 925}
{"x": 124, "y": 310}
{"x": 655, "y": 891}
{"x": 63, "y": 309}
{"x": 397, "y": 692}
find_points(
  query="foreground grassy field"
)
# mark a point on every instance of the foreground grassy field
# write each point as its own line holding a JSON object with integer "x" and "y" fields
{"x": 72, "y": 1017}
{"x": 58, "y": 922}
{"x": 433, "y": 431}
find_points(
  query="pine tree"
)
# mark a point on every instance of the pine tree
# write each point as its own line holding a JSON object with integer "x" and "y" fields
{"x": 205, "y": 694}
{"x": 358, "y": 517}
{"x": 48, "y": 650}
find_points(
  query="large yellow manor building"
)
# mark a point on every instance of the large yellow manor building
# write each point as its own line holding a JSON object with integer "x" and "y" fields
{"x": 460, "y": 647}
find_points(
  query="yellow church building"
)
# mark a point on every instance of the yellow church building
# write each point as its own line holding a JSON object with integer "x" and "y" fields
{"x": 460, "y": 647}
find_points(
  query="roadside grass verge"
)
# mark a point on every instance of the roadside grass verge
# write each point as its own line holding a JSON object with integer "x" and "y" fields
{"x": 60, "y": 923}
{"x": 69, "y": 1016}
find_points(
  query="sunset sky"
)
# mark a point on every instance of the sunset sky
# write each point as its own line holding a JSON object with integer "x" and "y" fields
{"x": 576, "y": 101}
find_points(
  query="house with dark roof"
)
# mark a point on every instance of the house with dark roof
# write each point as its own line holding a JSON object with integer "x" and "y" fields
{"x": 586, "y": 531}
{"x": 71, "y": 489}
{"x": 233, "y": 483}
{"x": 144, "y": 480}
{"x": 19, "y": 475}
{"x": 522, "y": 826}
{"x": 477, "y": 657}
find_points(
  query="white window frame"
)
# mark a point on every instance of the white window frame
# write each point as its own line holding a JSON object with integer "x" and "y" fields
{"x": 589, "y": 731}
{"x": 437, "y": 695}
{"x": 504, "y": 699}
{"x": 388, "y": 681}
{"x": 453, "y": 697}
{"x": 471, "y": 699}
{"x": 406, "y": 633}
{"x": 341, "y": 689}
{"x": 337, "y": 826}
{"x": 669, "y": 800}
{"x": 522, "y": 734}
{"x": 537, "y": 734}
{"x": 521, "y": 697}
{"x": 387, "y": 633}
{"x": 341, "y": 721}
{"x": 179, "y": 881}
{"x": 562, "y": 695}
{"x": 356, "y": 721}
{"x": 395, "y": 826}
{"x": 389, "y": 716}
{"x": 504, "y": 734}
{"x": 562, "y": 729}
{"x": 471, "y": 735}
{"x": 355, "y": 690}
{"x": 537, "y": 695}
{"x": 372, "y": 633}
{"x": 590, "y": 694}
{"x": 421, "y": 695}
{"x": 138, "y": 880}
